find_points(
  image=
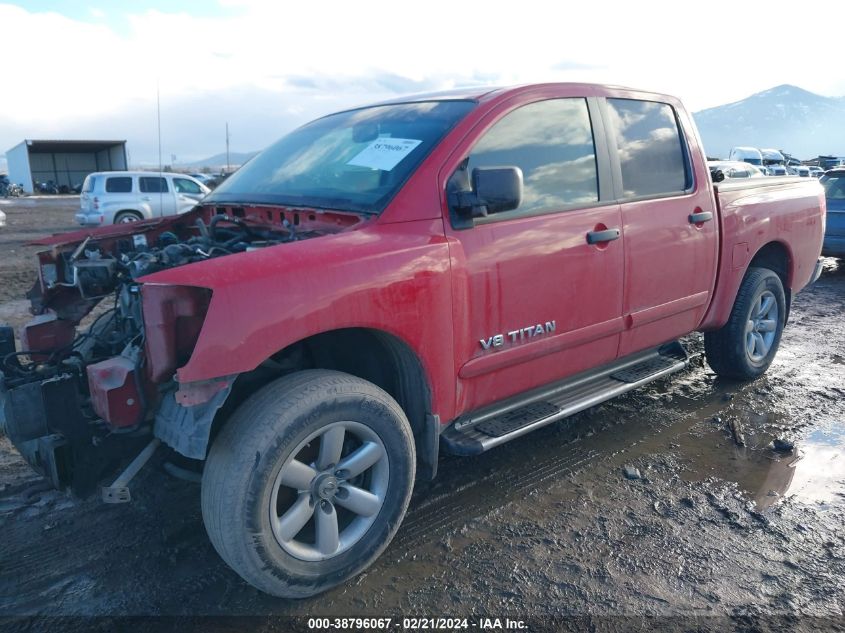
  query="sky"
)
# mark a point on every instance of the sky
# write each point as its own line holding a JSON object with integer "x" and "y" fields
{"x": 98, "y": 69}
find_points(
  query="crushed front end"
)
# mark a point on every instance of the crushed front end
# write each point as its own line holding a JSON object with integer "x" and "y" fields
{"x": 96, "y": 365}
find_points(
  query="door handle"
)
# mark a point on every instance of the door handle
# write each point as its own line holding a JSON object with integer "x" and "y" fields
{"x": 699, "y": 217}
{"x": 146, "y": 198}
{"x": 598, "y": 237}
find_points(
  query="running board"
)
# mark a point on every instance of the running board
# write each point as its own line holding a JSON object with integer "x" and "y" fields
{"x": 490, "y": 427}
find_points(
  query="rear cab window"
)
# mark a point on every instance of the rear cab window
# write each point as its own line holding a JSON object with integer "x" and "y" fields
{"x": 119, "y": 184}
{"x": 649, "y": 146}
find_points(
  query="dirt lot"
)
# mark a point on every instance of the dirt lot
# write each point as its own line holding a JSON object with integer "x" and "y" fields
{"x": 544, "y": 526}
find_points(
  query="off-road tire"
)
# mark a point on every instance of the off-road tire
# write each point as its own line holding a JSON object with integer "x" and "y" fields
{"x": 725, "y": 349}
{"x": 247, "y": 455}
{"x": 127, "y": 216}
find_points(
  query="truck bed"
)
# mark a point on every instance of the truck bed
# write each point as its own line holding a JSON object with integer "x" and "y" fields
{"x": 782, "y": 210}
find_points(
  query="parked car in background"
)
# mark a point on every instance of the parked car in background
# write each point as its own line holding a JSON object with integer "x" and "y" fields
{"x": 216, "y": 179}
{"x": 801, "y": 170}
{"x": 816, "y": 172}
{"x": 117, "y": 197}
{"x": 773, "y": 162}
{"x": 204, "y": 178}
{"x": 747, "y": 155}
{"x": 833, "y": 182}
{"x": 735, "y": 169}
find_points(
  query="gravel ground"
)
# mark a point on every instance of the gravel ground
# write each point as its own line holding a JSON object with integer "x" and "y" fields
{"x": 546, "y": 526}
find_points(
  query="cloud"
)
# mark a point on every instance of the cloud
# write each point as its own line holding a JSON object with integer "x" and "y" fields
{"x": 574, "y": 65}
{"x": 97, "y": 73}
{"x": 564, "y": 121}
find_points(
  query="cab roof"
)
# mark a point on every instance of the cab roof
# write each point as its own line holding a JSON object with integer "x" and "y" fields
{"x": 483, "y": 93}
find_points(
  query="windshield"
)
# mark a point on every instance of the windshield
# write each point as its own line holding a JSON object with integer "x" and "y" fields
{"x": 350, "y": 161}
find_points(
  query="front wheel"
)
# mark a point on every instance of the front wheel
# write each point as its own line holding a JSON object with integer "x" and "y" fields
{"x": 308, "y": 482}
{"x": 746, "y": 345}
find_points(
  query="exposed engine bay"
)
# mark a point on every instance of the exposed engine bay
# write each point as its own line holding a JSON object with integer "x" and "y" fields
{"x": 71, "y": 390}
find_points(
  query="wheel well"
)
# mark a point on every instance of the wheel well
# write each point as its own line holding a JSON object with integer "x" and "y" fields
{"x": 373, "y": 355}
{"x": 376, "y": 356}
{"x": 775, "y": 257}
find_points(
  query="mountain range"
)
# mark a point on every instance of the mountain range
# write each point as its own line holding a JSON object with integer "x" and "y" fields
{"x": 785, "y": 117}
{"x": 218, "y": 160}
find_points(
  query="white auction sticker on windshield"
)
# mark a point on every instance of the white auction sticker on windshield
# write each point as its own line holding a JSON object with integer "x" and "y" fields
{"x": 384, "y": 153}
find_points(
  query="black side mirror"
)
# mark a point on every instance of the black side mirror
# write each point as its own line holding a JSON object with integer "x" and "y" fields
{"x": 494, "y": 190}
{"x": 498, "y": 188}
{"x": 717, "y": 175}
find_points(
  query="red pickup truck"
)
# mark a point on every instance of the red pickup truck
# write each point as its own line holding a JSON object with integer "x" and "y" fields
{"x": 440, "y": 273}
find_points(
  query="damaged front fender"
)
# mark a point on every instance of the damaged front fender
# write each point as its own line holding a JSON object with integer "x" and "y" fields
{"x": 184, "y": 419}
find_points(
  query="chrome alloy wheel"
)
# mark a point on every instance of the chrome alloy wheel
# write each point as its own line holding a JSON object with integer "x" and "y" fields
{"x": 761, "y": 328}
{"x": 329, "y": 491}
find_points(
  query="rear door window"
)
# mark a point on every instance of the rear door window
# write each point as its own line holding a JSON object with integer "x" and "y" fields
{"x": 119, "y": 184}
{"x": 152, "y": 185}
{"x": 651, "y": 154}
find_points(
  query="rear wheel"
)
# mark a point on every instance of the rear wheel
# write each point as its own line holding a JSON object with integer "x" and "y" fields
{"x": 308, "y": 482}
{"x": 125, "y": 217}
{"x": 746, "y": 345}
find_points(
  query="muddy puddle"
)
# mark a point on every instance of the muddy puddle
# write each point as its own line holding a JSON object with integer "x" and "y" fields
{"x": 811, "y": 472}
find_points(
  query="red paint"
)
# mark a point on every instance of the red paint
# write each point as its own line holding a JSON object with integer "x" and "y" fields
{"x": 791, "y": 215}
{"x": 114, "y": 391}
{"x": 173, "y": 317}
{"x": 46, "y": 332}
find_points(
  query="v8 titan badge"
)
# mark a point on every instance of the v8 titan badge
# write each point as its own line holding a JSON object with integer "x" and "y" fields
{"x": 498, "y": 340}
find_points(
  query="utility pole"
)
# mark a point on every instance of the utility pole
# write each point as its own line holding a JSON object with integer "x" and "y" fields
{"x": 227, "y": 147}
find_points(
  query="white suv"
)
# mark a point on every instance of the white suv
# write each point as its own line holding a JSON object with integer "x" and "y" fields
{"x": 115, "y": 197}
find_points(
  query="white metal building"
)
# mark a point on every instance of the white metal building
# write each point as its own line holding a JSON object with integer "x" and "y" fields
{"x": 66, "y": 163}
